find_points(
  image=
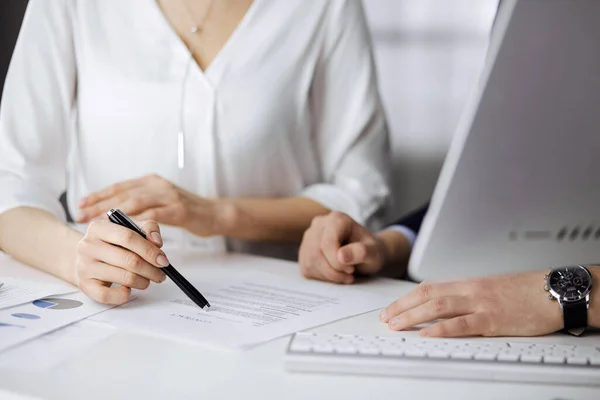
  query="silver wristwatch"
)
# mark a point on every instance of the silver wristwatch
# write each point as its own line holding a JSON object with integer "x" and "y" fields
{"x": 571, "y": 286}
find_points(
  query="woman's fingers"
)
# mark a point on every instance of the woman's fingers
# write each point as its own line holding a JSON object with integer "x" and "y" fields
{"x": 152, "y": 231}
{"x": 162, "y": 213}
{"x": 118, "y": 235}
{"x": 101, "y": 293}
{"x": 464, "y": 325}
{"x": 111, "y": 191}
{"x": 128, "y": 261}
{"x": 109, "y": 273}
{"x": 422, "y": 294}
{"x": 442, "y": 307}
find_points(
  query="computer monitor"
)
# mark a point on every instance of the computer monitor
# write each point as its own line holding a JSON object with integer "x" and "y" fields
{"x": 520, "y": 186}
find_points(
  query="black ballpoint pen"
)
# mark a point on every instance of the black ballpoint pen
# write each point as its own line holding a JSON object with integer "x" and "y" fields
{"x": 120, "y": 218}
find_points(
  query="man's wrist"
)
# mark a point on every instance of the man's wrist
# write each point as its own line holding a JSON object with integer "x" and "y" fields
{"x": 594, "y": 310}
{"x": 396, "y": 247}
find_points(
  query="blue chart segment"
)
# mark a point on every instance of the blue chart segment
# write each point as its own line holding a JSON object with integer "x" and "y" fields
{"x": 26, "y": 316}
{"x": 57, "y": 303}
{"x": 16, "y": 326}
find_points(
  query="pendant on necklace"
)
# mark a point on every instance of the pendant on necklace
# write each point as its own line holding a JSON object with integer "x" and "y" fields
{"x": 195, "y": 29}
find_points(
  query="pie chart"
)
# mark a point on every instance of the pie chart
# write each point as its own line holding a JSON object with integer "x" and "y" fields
{"x": 55, "y": 303}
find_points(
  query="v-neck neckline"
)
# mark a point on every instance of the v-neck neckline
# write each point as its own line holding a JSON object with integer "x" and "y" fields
{"x": 216, "y": 66}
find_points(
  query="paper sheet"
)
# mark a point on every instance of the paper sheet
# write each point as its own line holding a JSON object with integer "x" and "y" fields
{"x": 247, "y": 309}
{"x": 18, "y": 291}
{"x": 48, "y": 351}
{"x": 24, "y": 322}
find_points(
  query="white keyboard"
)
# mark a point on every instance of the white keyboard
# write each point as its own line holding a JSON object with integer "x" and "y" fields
{"x": 444, "y": 358}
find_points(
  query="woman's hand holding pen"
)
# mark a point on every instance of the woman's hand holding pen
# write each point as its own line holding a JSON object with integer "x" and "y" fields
{"x": 154, "y": 198}
{"x": 109, "y": 253}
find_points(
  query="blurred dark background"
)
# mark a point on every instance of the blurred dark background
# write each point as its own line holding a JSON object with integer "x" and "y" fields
{"x": 11, "y": 15}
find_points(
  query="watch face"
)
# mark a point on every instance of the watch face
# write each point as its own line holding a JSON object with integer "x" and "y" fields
{"x": 570, "y": 283}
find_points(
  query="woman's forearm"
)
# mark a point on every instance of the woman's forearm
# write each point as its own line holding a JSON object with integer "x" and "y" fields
{"x": 35, "y": 237}
{"x": 268, "y": 220}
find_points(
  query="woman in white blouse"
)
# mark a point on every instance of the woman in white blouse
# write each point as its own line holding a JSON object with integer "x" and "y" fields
{"x": 236, "y": 120}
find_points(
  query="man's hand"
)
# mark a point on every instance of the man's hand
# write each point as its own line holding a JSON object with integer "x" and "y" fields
{"x": 511, "y": 305}
{"x": 154, "y": 198}
{"x": 335, "y": 246}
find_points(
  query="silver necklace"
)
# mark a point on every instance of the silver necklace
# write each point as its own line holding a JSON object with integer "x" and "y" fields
{"x": 195, "y": 29}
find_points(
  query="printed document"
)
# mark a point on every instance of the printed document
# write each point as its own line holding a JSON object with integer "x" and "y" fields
{"x": 46, "y": 352}
{"x": 27, "y": 321}
{"x": 19, "y": 291}
{"x": 247, "y": 308}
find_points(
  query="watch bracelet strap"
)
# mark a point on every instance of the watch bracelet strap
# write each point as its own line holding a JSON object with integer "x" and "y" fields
{"x": 575, "y": 317}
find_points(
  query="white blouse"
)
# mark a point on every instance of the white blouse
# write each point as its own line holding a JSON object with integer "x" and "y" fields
{"x": 98, "y": 91}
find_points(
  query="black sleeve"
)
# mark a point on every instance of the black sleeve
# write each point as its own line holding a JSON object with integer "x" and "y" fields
{"x": 414, "y": 219}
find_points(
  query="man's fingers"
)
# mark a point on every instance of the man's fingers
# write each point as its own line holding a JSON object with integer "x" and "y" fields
{"x": 422, "y": 294}
{"x": 330, "y": 245}
{"x": 319, "y": 269}
{"x": 96, "y": 290}
{"x": 108, "y": 192}
{"x": 110, "y": 273}
{"x": 464, "y": 325}
{"x": 337, "y": 231}
{"x": 442, "y": 307}
{"x": 355, "y": 253}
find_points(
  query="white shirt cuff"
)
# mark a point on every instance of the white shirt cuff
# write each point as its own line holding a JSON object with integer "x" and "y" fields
{"x": 408, "y": 233}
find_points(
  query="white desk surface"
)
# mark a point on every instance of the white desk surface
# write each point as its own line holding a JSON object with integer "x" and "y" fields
{"x": 141, "y": 367}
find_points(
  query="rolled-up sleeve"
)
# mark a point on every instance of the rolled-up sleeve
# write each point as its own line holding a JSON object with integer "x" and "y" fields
{"x": 37, "y": 109}
{"x": 351, "y": 137}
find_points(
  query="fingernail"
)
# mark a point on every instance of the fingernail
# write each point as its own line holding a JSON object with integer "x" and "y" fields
{"x": 163, "y": 277}
{"x": 349, "y": 270}
{"x": 162, "y": 261}
{"x": 156, "y": 238}
{"x": 424, "y": 332}
{"x": 82, "y": 203}
{"x": 382, "y": 315}
{"x": 80, "y": 216}
{"x": 346, "y": 256}
{"x": 395, "y": 323}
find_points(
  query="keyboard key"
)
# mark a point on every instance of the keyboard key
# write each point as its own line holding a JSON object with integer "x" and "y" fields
{"x": 368, "y": 350}
{"x": 346, "y": 349}
{"x": 392, "y": 351}
{"x": 301, "y": 346}
{"x": 438, "y": 354}
{"x": 554, "y": 359}
{"x": 414, "y": 352}
{"x": 323, "y": 348}
{"x": 577, "y": 360}
{"x": 485, "y": 356}
{"x": 461, "y": 355}
{"x": 595, "y": 360}
{"x": 508, "y": 357}
{"x": 531, "y": 358}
